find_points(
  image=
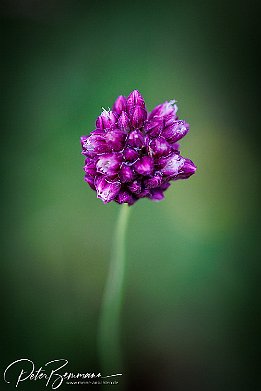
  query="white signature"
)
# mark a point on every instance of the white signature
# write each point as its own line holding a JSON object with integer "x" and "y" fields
{"x": 49, "y": 375}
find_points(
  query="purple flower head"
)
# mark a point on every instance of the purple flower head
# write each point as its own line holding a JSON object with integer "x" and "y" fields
{"x": 134, "y": 154}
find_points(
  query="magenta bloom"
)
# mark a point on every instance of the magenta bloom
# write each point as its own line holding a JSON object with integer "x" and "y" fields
{"x": 134, "y": 154}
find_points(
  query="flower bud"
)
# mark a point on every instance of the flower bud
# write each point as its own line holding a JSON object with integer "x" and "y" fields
{"x": 95, "y": 144}
{"x": 165, "y": 186}
{"x": 187, "y": 170}
{"x": 153, "y": 182}
{"x": 130, "y": 154}
{"x": 144, "y": 165}
{"x": 175, "y": 147}
{"x": 156, "y": 194}
{"x": 156, "y": 112}
{"x": 159, "y": 147}
{"x": 115, "y": 139}
{"x": 124, "y": 197}
{"x": 154, "y": 127}
{"x": 120, "y": 104}
{"x": 171, "y": 165}
{"x": 126, "y": 174}
{"x": 138, "y": 117}
{"x": 136, "y": 139}
{"x": 134, "y": 99}
{"x": 109, "y": 163}
{"x": 135, "y": 187}
{"x": 83, "y": 140}
{"x": 106, "y": 120}
{"x": 170, "y": 121}
{"x": 144, "y": 193}
{"x": 90, "y": 167}
{"x": 175, "y": 131}
{"x": 124, "y": 122}
{"x": 107, "y": 190}
{"x": 166, "y": 110}
{"x": 90, "y": 180}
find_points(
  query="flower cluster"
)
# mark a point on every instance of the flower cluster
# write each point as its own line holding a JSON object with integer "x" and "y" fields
{"x": 134, "y": 154}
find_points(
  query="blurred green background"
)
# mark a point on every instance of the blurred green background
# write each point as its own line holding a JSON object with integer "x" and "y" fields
{"x": 190, "y": 308}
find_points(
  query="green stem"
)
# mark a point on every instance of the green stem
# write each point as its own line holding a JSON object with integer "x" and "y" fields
{"x": 109, "y": 343}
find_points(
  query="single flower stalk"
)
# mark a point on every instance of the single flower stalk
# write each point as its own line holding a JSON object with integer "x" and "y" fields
{"x": 133, "y": 154}
{"x": 130, "y": 155}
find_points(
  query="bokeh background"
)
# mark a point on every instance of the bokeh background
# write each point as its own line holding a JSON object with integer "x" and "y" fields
{"x": 191, "y": 307}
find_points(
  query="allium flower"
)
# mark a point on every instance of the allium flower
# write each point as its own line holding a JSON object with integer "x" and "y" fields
{"x": 134, "y": 154}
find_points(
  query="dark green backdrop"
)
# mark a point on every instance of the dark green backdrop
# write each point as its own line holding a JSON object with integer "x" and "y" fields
{"x": 190, "y": 309}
